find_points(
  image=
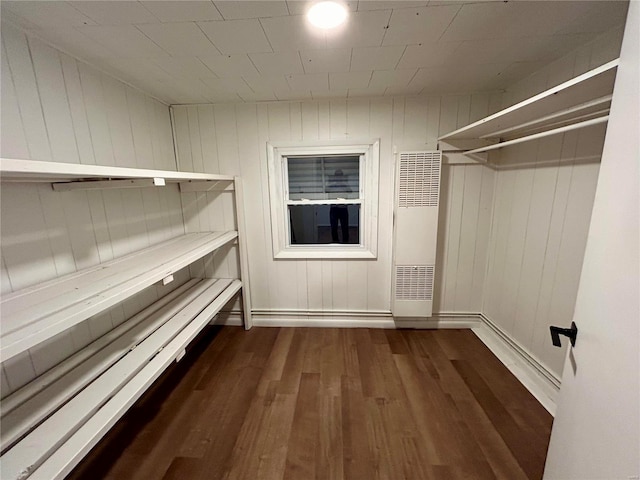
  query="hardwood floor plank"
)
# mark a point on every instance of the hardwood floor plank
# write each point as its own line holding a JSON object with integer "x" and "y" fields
{"x": 350, "y": 352}
{"x": 355, "y": 437}
{"x": 370, "y": 375}
{"x": 275, "y": 362}
{"x": 397, "y": 342}
{"x": 214, "y": 403}
{"x": 219, "y": 359}
{"x": 181, "y": 468}
{"x": 298, "y": 404}
{"x": 313, "y": 354}
{"x": 275, "y": 438}
{"x": 329, "y": 453}
{"x": 505, "y": 385}
{"x": 427, "y": 416}
{"x": 158, "y": 411}
{"x": 226, "y": 420}
{"x": 331, "y": 360}
{"x": 530, "y": 461}
{"x": 487, "y": 438}
{"x": 303, "y": 440}
{"x": 292, "y": 369}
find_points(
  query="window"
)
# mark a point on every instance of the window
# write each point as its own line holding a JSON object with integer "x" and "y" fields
{"x": 324, "y": 200}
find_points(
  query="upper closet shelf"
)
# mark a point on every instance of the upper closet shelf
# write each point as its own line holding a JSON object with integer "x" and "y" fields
{"x": 585, "y": 97}
{"x": 36, "y": 171}
{"x": 36, "y": 313}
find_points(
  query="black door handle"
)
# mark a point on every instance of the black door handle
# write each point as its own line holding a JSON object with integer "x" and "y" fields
{"x": 572, "y": 333}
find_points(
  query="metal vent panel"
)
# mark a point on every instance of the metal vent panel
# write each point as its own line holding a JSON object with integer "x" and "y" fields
{"x": 414, "y": 282}
{"x": 419, "y": 179}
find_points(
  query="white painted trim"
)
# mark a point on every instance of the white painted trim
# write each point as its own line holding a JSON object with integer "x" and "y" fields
{"x": 439, "y": 321}
{"x": 342, "y": 201}
{"x": 322, "y": 313}
{"x": 278, "y": 200}
{"x": 359, "y": 319}
{"x": 336, "y": 322}
{"x": 329, "y": 147}
{"x": 338, "y": 251}
{"x": 543, "y": 384}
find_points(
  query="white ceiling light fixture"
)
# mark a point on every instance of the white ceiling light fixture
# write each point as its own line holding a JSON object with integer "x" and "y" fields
{"x": 327, "y": 15}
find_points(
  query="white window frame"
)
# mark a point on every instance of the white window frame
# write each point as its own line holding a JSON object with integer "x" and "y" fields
{"x": 277, "y": 154}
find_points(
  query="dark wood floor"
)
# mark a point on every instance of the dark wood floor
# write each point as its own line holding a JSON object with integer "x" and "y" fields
{"x": 329, "y": 404}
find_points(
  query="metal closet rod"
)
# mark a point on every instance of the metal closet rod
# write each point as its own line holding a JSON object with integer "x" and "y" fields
{"x": 555, "y": 131}
{"x": 553, "y": 116}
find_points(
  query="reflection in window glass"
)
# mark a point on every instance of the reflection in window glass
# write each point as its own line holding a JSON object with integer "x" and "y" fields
{"x": 324, "y": 224}
{"x": 323, "y": 178}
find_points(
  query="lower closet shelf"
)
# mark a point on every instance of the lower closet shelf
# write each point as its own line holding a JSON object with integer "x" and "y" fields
{"x": 36, "y": 313}
{"x": 50, "y": 424}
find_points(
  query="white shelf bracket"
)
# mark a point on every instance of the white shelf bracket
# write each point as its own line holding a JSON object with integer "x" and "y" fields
{"x": 206, "y": 186}
{"x": 106, "y": 184}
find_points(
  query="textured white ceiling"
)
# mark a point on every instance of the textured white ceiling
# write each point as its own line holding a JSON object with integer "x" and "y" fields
{"x": 203, "y": 51}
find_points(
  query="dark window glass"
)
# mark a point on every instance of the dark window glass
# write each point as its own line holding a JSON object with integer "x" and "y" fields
{"x": 324, "y": 224}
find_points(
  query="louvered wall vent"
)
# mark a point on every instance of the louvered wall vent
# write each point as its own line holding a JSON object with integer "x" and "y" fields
{"x": 419, "y": 184}
{"x": 414, "y": 282}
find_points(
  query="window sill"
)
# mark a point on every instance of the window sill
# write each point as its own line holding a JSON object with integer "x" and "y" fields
{"x": 336, "y": 253}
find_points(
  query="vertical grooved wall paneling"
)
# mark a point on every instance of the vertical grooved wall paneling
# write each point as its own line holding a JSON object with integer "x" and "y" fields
{"x": 55, "y": 108}
{"x": 232, "y": 139}
{"x": 61, "y": 109}
{"x": 197, "y": 130}
{"x": 542, "y": 208}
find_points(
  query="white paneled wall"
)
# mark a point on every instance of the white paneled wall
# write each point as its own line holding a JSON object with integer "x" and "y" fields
{"x": 55, "y": 108}
{"x": 232, "y": 139}
{"x": 542, "y": 209}
{"x": 59, "y": 109}
{"x": 46, "y": 234}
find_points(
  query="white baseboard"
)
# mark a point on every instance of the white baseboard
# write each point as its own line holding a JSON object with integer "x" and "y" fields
{"x": 541, "y": 383}
{"x": 358, "y": 319}
{"x": 321, "y": 319}
{"x": 440, "y": 320}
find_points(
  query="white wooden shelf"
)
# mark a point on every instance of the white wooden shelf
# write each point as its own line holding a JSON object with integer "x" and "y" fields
{"x": 582, "y": 98}
{"x": 32, "y": 403}
{"x": 62, "y": 421}
{"x": 36, "y": 171}
{"x": 54, "y": 420}
{"x": 34, "y": 314}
